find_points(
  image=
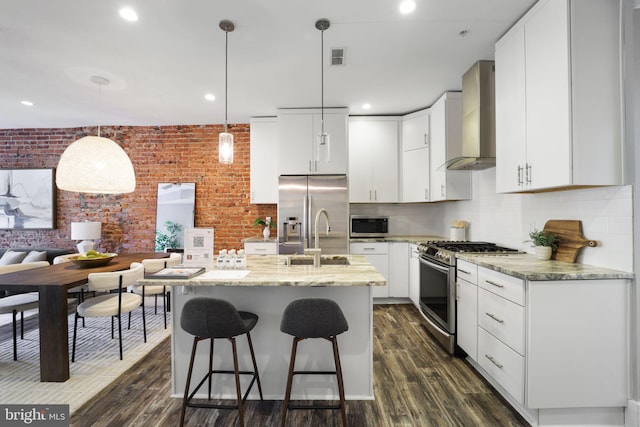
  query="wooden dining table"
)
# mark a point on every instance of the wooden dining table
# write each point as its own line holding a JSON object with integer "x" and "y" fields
{"x": 52, "y": 284}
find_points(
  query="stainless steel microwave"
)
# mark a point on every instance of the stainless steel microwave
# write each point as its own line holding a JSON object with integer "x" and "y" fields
{"x": 369, "y": 226}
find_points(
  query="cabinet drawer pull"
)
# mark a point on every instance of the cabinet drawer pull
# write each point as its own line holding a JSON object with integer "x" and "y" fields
{"x": 497, "y": 285}
{"x": 495, "y": 318}
{"x": 492, "y": 360}
{"x": 463, "y": 271}
{"x": 260, "y": 249}
{"x": 368, "y": 249}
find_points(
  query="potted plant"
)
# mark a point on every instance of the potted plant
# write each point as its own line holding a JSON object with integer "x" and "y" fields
{"x": 544, "y": 243}
{"x": 267, "y": 224}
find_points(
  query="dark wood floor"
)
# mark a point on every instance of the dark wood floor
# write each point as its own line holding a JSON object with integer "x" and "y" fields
{"x": 415, "y": 384}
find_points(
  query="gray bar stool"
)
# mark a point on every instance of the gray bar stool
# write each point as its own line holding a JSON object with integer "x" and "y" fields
{"x": 211, "y": 318}
{"x": 314, "y": 318}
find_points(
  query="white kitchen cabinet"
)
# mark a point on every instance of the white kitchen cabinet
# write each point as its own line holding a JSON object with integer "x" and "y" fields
{"x": 558, "y": 116}
{"x": 415, "y": 130}
{"x": 415, "y": 157}
{"x": 261, "y": 248}
{"x": 541, "y": 345}
{"x": 467, "y": 308}
{"x": 446, "y": 144}
{"x": 377, "y": 253}
{"x": 414, "y": 275}
{"x": 415, "y": 175}
{"x": 298, "y": 130}
{"x": 373, "y": 159}
{"x": 264, "y": 160}
{"x": 398, "y": 270}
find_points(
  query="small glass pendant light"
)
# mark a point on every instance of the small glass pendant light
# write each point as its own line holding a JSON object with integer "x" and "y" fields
{"x": 225, "y": 141}
{"x": 323, "y": 142}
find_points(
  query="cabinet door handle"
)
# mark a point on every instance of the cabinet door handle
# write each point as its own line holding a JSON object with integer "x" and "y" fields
{"x": 464, "y": 271}
{"x": 495, "y": 318}
{"x": 497, "y": 285}
{"x": 375, "y": 195}
{"x": 426, "y": 194}
{"x": 492, "y": 360}
{"x": 369, "y": 194}
{"x": 442, "y": 190}
{"x": 310, "y": 167}
{"x": 519, "y": 175}
{"x": 528, "y": 173}
{"x": 426, "y": 139}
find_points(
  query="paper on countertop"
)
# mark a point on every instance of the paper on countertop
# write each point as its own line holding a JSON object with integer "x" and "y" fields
{"x": 224, "y": 274}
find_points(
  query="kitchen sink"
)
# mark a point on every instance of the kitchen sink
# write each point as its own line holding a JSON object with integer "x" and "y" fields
{"x": 324, "y": 260}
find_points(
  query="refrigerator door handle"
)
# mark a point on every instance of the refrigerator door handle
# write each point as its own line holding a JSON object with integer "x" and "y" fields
{"x": 305, "y": 220}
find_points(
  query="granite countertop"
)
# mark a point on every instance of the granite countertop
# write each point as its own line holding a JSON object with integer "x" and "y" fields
{"x": 397, "y": 238}
{"x": 528, "y": 267}
{"x": 272, "y": 270}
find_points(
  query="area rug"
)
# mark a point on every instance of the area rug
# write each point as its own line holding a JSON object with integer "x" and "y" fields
{"x": 97, "y": 360}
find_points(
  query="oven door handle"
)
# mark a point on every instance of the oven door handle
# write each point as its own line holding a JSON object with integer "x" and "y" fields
{"x": 438, "y": 267}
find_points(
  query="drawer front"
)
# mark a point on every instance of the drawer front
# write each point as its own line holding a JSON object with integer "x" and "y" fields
{"x": 502, "y": 318}
{"x": 503, "y": 364}
{"x": 467, "y": 271}
{"x": 260, "y": 248}
{"x": 362, "y": 248}
{"x": 506, "y": 286}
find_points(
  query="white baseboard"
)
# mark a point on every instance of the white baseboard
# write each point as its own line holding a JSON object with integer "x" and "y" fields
{"x": 632, "y": 414}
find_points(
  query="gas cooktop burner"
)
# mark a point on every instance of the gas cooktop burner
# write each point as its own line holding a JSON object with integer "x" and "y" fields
{"x": 445, "y": 250}
{"x": 455, "y": 246}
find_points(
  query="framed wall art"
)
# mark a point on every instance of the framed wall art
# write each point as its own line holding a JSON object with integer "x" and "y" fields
{"x": 27, "y": 199}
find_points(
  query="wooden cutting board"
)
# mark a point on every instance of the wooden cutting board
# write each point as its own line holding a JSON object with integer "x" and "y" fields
{"x": 571, "y": 240}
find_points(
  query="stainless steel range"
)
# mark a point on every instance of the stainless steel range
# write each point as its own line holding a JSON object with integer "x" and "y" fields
{"x": 438, "y": 284}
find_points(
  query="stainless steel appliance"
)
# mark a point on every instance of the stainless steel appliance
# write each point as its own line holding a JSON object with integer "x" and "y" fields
{"x": 301, "y": 197}
{"x": 438, "y": 284}
{"x": 369, "y": 226}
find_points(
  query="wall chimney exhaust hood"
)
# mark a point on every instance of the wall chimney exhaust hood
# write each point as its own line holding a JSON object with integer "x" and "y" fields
{"x": 478, "y": 119}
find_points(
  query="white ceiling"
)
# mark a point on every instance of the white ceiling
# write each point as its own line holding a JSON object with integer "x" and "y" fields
{"x": 161, "y": 66}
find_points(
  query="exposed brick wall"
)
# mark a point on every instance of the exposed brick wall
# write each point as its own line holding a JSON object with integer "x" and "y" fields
{"x": 158, "y": 154}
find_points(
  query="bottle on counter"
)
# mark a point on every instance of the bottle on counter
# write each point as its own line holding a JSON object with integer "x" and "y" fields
{"x": 230, "y": 260}
{"x": 241, "y": 260}
{"x": 222, "y": 257}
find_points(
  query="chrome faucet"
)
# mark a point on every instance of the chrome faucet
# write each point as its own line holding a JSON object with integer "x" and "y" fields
{"x": 326, "y": 214}
{"x": 317, "y": 251}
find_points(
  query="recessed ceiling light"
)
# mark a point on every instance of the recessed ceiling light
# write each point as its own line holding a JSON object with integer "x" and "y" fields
{"x": 27, "y": 103}
{"x": 407, "y": 6}
{"x": 366, "y": 106}
{"x": 210, "y": 97}
{"x": 128, "y": 14}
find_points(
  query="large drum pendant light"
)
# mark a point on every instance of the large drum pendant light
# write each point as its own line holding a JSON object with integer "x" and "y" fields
{"x": 94, "y": 164}
{"x": 323, "y": 141}
{"x": 225, "y": 142}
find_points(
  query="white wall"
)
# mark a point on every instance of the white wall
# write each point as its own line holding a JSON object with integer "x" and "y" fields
{"x": 606, "y": 214}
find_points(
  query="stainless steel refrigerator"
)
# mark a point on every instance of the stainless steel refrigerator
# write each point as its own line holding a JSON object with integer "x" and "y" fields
{"x": 301, "y": 198}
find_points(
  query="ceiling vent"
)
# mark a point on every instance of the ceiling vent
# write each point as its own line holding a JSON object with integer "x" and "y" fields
{"x": 337, "y": 56}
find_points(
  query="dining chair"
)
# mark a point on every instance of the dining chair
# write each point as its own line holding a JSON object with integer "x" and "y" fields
{"x": 14, "y": 304}
{"x": 21, "y": 302}
{"x": 114, "y": 302}
{"x": 151, "y": 266}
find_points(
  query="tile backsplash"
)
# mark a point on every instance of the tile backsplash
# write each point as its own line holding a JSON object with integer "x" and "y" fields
{"x": 507, "y": 219}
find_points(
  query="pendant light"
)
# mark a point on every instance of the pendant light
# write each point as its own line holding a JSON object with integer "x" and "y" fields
{"x": 323, "y": 141}
{"x": 94, "y": 164}
{"x": 225, "y": 142}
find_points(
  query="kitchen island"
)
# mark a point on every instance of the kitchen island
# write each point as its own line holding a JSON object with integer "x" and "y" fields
{"x": 266, "y": 287}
